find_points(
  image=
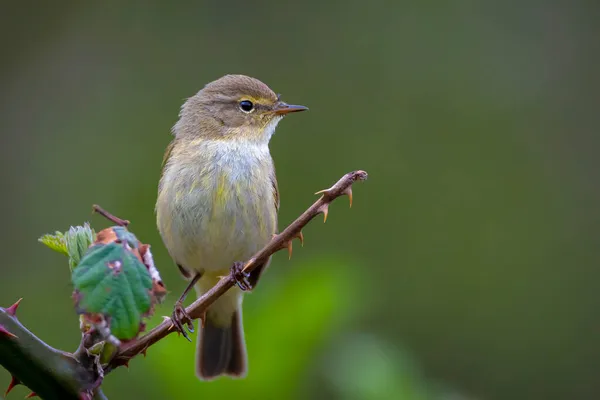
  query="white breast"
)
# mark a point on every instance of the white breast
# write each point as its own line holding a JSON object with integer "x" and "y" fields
{"x": 221, "y": 206}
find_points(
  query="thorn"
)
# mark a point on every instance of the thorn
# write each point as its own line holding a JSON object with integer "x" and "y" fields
{"x": 348, "y": 192}
{"x": 325, "y": 211}
{"x": 5, "y": 332}
{"x": 288, "y": 245}
{"x": 12, "y": 310}
{"x": 13, "y": 382}
{"x": 30, "y": 395}
{"x": 126, "y": 364}
{"x": 144, "y": 352}
{"x": 300, "y": 236}
{"x": 203, "y": 319}
{"x": 323, "y": 192}
{"x": 85, "y": 396}
{"x": 165, "y": 318}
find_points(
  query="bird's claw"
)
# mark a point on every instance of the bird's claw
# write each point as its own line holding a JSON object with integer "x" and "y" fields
{"x": 181, "y": 317}
{"x": 240, "y": 277}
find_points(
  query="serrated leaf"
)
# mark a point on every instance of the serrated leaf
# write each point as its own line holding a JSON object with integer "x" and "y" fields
{"x": 73, "y": 243}
{"x": 56, "y": 242}
{"x": 77, "y": 240}
{"x": 110, "y": 280}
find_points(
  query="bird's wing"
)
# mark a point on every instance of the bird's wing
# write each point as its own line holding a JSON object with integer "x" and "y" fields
{"x": 168, "y": 153}
{"x": 256, "y": 273}
{"x": 275, "y": 191}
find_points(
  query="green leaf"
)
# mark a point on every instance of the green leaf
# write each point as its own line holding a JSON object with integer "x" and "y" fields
{"x": 73, "y": 243}
{"x": 108, "y": 351}
{"x": 77, "y": 240}
{"x": 111, "y": 281}
{"x": 56, "y": 242}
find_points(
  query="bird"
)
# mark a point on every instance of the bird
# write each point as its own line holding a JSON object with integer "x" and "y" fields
{"x": 217, "y": 205}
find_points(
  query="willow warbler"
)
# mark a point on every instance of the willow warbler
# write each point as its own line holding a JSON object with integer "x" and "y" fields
{"x": 218, "y": 202}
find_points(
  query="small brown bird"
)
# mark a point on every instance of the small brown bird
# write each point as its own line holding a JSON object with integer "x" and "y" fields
{"x": 218, "y": 203}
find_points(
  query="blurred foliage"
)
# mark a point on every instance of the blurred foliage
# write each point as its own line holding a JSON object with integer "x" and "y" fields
{"x": 281, "y": 337}
{"x": 473, "y": 247}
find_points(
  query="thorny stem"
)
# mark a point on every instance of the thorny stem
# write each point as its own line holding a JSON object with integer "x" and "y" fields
{"x": 56, "y": 374}
{"x": 281, "y": 241}
{"x": 51, "y": 373}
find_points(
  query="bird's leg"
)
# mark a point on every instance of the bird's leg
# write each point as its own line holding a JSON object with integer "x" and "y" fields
{"x": 240, "y": 277}
{"x": 180, "y": 316}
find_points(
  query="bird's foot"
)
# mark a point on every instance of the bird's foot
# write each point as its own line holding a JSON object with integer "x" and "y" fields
{"x": 181, "y": 317}
{"x": 240, "y": 277}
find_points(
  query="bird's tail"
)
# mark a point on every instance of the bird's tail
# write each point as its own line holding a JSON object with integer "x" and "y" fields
{"x": 221, "y": 348}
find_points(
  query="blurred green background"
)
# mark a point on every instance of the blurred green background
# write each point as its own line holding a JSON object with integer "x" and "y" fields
{"x": 468, "y": 267}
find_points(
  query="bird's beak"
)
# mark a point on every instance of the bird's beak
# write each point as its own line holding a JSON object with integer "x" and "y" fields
{"x": 282, "y": 108}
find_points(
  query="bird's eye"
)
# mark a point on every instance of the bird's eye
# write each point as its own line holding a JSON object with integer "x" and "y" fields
{"x": 246, "y": 106}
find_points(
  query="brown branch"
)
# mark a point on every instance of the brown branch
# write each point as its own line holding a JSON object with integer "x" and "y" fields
{"x": 280, "y": 241}
{"x": 109, "y": 216}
